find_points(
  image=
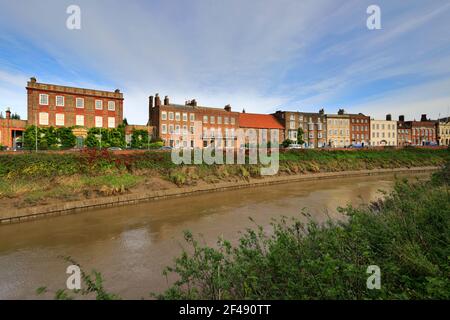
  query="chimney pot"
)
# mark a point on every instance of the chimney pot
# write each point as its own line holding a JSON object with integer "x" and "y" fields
{"x": 157, "y": 100}
{"x": 228, "y": 108}
{"x": 424, "y": 117}
{"x": 389, "y": 117}
{"x": 401, "y": 118}
{"x": 166, "y": 100}
{"x": 8, "y": 114}
{"x": 33, "y": 79}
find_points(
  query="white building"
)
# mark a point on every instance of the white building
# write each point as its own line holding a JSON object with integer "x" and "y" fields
{"x": 383, "y": 132}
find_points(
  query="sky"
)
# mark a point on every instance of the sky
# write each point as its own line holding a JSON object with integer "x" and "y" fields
{"x": 256, "y": 55}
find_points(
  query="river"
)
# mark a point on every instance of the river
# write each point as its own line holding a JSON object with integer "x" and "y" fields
{"x": 131, "y": 245}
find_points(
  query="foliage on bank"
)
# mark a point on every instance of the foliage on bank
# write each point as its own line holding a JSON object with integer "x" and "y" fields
{"x": 407, "y": 235}
{"x": 48, "y": 138}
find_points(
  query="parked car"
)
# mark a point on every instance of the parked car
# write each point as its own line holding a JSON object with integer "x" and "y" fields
{"x": 295, "y": 146}
{"x": 114, "y": 149}
{"x": 165, "y": 148}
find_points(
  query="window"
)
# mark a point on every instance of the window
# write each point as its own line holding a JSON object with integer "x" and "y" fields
{"x": 177, "y": 129}
{"x": 191, "y": 128}
{"x": 59, "y": 101}
{"x": 79, "y": 120}
{"x": 111, "y": 106}
{"x": 177, "y": 116}
{"x": 43, "y": 118}
{"x": 111, "y": 122}
{"x": 292, "y": 124}
{"x": 219, "y": 120}
{"x": 225, "y": 120}
{"x": 43, "y": 99}
{"x": 164, "y": 128}
{"x": 232, "y": 121}
{"x": 185, "y": 128}
{"x": 98, "y": 104}
{"x": 212, "y": 119}
{"x": 170, "y": 128}
{"x": 292, "y": 117}
{"x": 59, "y": 117}
{"x": 170, "y": 115}
{"x": 184, "y": 116}
{"x": 192, "y": 117}
{"x": 164, "y": 115}
{"x": 79, "y": 102}
{"x": 98, "y": 122}
{"x": 205, "y": 119}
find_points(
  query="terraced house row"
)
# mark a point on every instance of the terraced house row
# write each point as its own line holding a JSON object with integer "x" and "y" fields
{"x": 196, "y": 126}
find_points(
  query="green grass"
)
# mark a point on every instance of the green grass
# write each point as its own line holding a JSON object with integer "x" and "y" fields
{"x": 42, "y": 175}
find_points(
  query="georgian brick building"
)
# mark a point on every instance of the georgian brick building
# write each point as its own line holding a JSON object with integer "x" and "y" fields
{"x": 423, "y": 132}
{"x": 63, "y": 106}
{"x": 313, "y": 124}
{"x": 11, "y": 131}
{"x": 359, "y": 129}
{"x": 338, "y": 127}
{"x": 265, "y": 125}
{"x": 191, "y": 125}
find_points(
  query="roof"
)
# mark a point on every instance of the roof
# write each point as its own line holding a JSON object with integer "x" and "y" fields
{"x": 258, "y": 121}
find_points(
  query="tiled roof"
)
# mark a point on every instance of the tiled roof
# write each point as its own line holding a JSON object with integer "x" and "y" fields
{"x": 258, "y": 121}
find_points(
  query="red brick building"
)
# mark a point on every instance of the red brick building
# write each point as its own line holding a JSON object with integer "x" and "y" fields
{"x": 359, "y": 129}
{"x": 265, "y": 124}
{"x": 423, "y": 132}
{"x": 191, "y": 125}
{"x": 404, "y": 137}
{"x": 62, "y": 106}
{"x": 11, "y": 131}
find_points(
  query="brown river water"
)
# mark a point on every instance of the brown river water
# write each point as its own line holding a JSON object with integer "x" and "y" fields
{"x": 131, "y": 245}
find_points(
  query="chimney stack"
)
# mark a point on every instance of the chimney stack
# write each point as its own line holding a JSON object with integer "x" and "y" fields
{"x": 389, "y": 117}
{"x": 228, "y": 108}
{"x": 423, "y": 118}
{"x": 157, "y": 100}
{"x": 401, "y": 118}
{"x": 8, "y": 114}
{"x": 166, "y": 100}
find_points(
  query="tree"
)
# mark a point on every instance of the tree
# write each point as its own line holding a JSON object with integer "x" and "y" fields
{"x": 286, "y": 143}
{"x": 67, "y": 139}
{"x": 300, "y": 134}
{"x": 139, "y": 139}
{"x": 125, "y": 121}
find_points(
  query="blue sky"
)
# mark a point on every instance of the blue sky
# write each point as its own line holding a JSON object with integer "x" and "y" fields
{"x": 259, "y": 55}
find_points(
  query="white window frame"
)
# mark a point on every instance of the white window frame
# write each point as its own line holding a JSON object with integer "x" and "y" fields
{"x": 59, "y": 104}
{"x": 163, "y": 115}
{"x": 177, "y": 116}
{"x": 171, "y": 116}
{"x": 111, "y": 106}
{"x": 79, "y": 118}
{"x": 60, "y": 121}
{"x": 43, "y": 118}
{"x": 42, "y": 97}
{"x": 164, "y": 128}
{"x": 76, "y": 103}
{"x": 98, "y": 122}
{"x": 100, "y": 106}
{"x": 192, "y": 117}
{"x": 111, "y": 122}
{"x": 185, "y": 117}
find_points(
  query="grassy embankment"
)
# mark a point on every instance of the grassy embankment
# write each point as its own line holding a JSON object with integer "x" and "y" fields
{"x": 30, "y": 179}
{"x": 407, "y": 235}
